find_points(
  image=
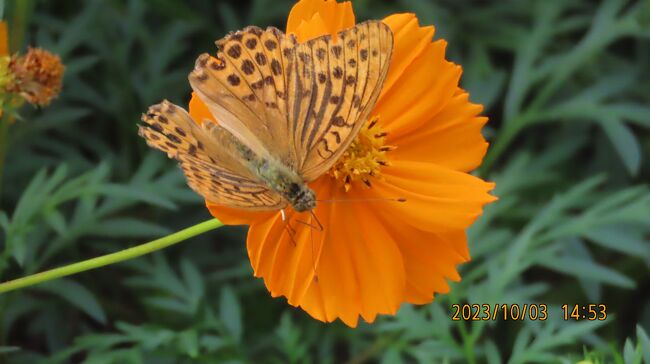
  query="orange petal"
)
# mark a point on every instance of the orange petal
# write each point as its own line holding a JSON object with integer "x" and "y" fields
{"x": 424, "y": 89}
{"x": 309, "y": 19}
{"x": 410, "y": 41}
{"x": 230, "y": 216}
{"x": 438, "y": 199}
{"x": 311, "y": 29}
{"x": 268, "y": 243}
{"x": 199, "y": 110}
{"x": 450, "y": 138}
{"x": 351, "y": 255}
{"x": 430, "y": 259}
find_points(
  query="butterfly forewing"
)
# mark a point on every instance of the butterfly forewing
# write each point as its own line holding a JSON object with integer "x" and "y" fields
{"x": 299, "y": 104}
{"x": 239, "y": 88}
{"x": 358, "y": 66}
{"x": 212, "y": 166}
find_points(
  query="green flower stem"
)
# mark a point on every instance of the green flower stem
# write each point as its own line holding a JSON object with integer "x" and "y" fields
{"x": 20, "y": 19}
{"x": 112, "y": 258}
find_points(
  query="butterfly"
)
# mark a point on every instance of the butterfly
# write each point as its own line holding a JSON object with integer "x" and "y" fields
{"x": 286, "y": 112}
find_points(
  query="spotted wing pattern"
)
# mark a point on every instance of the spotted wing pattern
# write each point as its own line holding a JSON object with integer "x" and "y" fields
{"x": 207, "y": 158}
{"x": 301, "y": 104}
{"x": 347, "y": 79}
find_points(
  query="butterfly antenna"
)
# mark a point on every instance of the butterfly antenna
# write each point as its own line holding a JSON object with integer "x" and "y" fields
{"x": 401, "y": 199}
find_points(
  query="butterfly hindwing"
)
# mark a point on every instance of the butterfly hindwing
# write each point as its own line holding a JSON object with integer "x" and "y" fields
{"x": 207, "y": 157}
{"x": 223, "y": 188}
{"x": 301, "y": 104}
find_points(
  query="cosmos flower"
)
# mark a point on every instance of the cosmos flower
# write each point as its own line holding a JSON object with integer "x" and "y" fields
{"x": 418, "y": 145}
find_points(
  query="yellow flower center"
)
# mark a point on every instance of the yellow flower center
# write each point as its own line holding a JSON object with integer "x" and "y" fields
{"x": 364, "y": 157}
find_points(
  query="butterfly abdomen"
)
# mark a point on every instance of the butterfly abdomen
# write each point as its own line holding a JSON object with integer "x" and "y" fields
{"x": 280, "y": 179}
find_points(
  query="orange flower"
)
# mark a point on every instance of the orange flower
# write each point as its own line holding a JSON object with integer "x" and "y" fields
{"x": 36, "y": 76}
{"x": 420, "y": 141}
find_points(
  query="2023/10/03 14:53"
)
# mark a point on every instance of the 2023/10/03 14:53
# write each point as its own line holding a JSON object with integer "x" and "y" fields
{"x": 520, "y": 312}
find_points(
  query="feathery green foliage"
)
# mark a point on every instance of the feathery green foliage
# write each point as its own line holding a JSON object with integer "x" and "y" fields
{"x": 566, "y": 85}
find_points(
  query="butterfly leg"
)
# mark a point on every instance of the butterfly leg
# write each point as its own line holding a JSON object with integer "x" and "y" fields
{"x": 287, "y": 223}
{"x": 313, "y": 253}
{"x": 287, "y": 226}
{"x": 318, "y": 227}
{"x": 292, "y": 234}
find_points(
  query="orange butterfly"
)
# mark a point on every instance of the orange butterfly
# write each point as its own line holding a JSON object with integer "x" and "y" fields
{"x": 286, "y": 113}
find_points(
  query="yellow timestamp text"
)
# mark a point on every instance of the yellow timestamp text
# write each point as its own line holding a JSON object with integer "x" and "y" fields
{"x": 589, "y": 311}
{"x": 499, "y": 311}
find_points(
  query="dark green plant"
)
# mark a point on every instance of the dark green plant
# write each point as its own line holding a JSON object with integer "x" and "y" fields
{"x": 566, "y": 85}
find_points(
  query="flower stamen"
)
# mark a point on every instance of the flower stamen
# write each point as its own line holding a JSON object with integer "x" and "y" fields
{"x": 364, "y": 158}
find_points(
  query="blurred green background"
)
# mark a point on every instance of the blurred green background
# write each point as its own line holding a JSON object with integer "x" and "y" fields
{"x": 566, "y": 85}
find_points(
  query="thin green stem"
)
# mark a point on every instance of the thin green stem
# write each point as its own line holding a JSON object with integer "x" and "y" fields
{"x": 120, "y": 256}
{"x": 22, "y": 13}
{"x": 4, "y": 131}
{"x": 374, "y": 349}
{"x": 468, "y": 343}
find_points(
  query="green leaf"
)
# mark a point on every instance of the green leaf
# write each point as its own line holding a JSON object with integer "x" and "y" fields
{"x": 588, "y": 270}
{"x": 193, "y": 281}
{"x": 568, "y": 334}
{"x": 173, "y": 305}
{"x": 620, "y": 238}
{"x": 392, "y": 356}
{"x": 188, "y": 342}
{"x": 56, "y": 221}
{"x": 129, "y": 228}
{"x": 212, "y": 343}
{"x": 644, "y": 341}
{"x": 18, "y": 248}
{"x": 230, "y": 313}
{"x": 631, "y": 354}
{"x": 625, "y": 144}
{"x": 75, "y": 294}
{"x": 492, "y": 354}
{"x": 136, "y": 193}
